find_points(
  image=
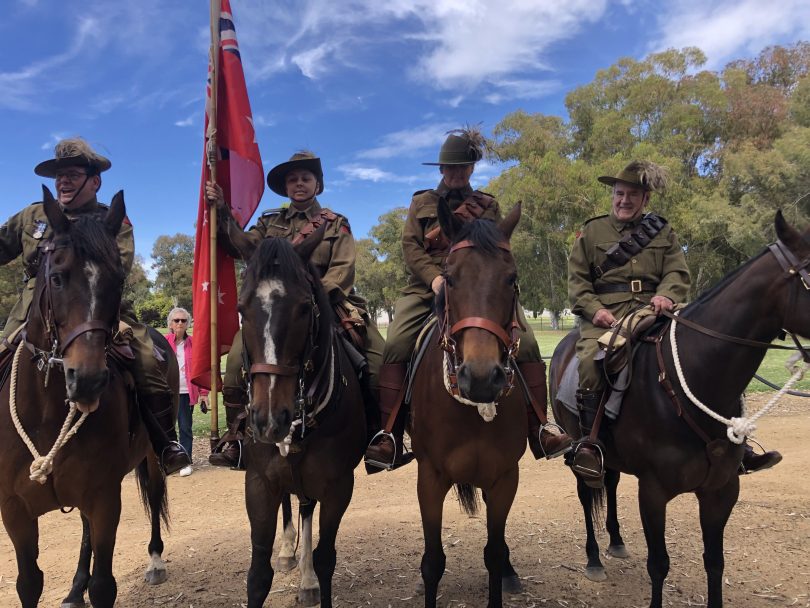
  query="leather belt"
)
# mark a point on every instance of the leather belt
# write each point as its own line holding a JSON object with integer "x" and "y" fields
{"x": 635, "y": 286}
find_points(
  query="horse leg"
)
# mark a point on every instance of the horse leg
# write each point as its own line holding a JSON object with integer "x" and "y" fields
{"x": 715, "y": 509}
{"x": 24, "y": 534}
{"x": 75, "y": 598}
{"x": 496, "y": 553}
{"x": 616, "y": 547}
{"x": 262, "y": 509}
{"x": 652, "y": 503}
{"x": 594, "y": 570}
{"x": 285, "y": 561}
{"x": 431, "y": 489}
{"x": 156, "y": 496}
{"x": 104, "y": 518}
{"x": 325, "y": 556}
{"x": 509, "y": 579}
{"x": 309, "y": 591}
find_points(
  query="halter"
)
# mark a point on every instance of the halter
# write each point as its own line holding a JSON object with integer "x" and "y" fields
{"x": 318, "y": 392}
{"x": 55, "y": 357}
{"x": 509, "y": 338}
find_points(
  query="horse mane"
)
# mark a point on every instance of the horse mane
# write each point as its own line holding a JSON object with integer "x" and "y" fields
{"x": 711, "y": 292}
{"x": 276, "y": 258}
{"x": 484, "y": 234}
{"x": 91, "y": 241}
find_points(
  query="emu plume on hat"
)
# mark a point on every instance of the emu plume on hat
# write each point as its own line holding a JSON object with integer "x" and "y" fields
{"x": 73, "y": 152}
{"x": 305, "y": 160}
{"x": 462, "y": 147}
{"x": 643, "y": 173}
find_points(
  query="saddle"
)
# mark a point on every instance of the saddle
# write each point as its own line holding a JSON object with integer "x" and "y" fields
{"x": 617, "y": 345}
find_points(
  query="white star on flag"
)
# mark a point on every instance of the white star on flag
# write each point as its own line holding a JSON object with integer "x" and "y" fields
{"x": 205, "y": 285}
{"x": 252, "y": 128}
{"x": 205, "y": 216}
{"x": 219, "y": 297}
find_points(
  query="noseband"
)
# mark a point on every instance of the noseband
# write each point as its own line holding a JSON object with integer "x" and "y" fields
{"x": 58, "y": 348}
{"x": 509, "y": 338}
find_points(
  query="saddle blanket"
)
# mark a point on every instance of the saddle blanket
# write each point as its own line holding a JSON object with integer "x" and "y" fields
{"x": 566, "y": 393}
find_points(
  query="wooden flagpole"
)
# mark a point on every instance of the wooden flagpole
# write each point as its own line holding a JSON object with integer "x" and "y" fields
{"x": 212, "y": 223}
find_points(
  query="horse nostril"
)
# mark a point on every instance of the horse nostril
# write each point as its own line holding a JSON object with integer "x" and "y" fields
{"x": 464, "y": 377}
{"x": 497, "y": 377}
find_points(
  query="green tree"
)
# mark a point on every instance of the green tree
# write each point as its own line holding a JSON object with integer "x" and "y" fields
{"x": 137, "y": 284}
{"x": 11, "y": 285}
{"x": 154, "y": 309}
{"x": 173, "y": 260}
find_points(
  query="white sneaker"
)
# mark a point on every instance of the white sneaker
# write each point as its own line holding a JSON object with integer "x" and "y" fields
{"x": 185, "y": 471}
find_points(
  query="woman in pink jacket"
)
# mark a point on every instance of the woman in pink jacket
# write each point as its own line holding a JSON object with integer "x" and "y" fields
{"x": 178, "y": 322}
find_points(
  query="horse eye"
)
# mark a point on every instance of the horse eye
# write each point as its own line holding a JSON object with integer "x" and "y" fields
{"x": 56, "y": 281}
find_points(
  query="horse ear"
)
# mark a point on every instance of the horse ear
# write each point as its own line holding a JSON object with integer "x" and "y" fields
{"x": 305, "y": 248}
{"x": 56, "y": 217}
{"x": 784, "y": 231}
{"x": 118, "y": 211}
{"x": 449, "y": 222}
{"x": 507, "y": 225}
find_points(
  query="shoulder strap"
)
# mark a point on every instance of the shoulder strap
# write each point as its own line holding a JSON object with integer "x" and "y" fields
{"x": 630, "y": 245}
{"x": 324, "y": 216}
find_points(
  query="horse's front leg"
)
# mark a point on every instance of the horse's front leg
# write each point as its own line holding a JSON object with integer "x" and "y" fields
{"x": 261, "y": 503}
{"x": 499, "y": 501}
{"x": 510, "y": 581}
{"x": 75, "y": 598}
{"x": 616, "y": 547}
{"x": 309, "y": 591}
{"x": 715, "y": 509}
{"x": 104, "y": 516}
{"x": 431, "y": 489}
{"x": 652, "y": 504}
{"x": 150, "y": 476}
{"x": 325, "y": 556}
{"x": 285, "y": 560}
{"x": 24, "y": 534}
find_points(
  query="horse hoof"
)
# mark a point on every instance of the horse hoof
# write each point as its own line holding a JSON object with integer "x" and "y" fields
{"x": 618, "y": 551}
{"x": 512, "y": 584}
{"x": 285, "y": 564}
{"x": 156, "y": 577}
{"x": 595, "y": 574}
{"x": 70, "y": 604}
{"x": 309, "y": 597}
{"x": 420, "y": 587}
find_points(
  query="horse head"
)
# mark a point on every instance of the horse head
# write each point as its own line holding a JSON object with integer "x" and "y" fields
{"x": 78, "y": 294}
{"x": 285, "y": 316}
{"x": 792, "y": 251}
{"x": 478, "y": 303}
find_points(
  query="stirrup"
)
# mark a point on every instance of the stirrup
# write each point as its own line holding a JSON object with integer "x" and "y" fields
{"x": 561, "y": 431}
{"x": 385, "y": 466}
{"x": 163, "y": 453}
{"x": 586, "y": 473}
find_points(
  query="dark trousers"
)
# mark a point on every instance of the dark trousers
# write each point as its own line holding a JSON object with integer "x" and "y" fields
{"x": 184, "y": 422}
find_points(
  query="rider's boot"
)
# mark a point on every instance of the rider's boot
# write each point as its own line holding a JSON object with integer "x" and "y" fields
{"x": 386, "y": 451}
{"x": 546, "y": 440}
{"x": 228, "y": 453}
{"x": 159, "y": 420}
{"x": 753, "y": 462}
{"x": 588, "y": 459}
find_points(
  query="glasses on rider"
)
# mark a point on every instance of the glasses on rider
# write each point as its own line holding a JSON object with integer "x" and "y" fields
{"x": 179, "y": 320}
{"x": 71, "y": 176}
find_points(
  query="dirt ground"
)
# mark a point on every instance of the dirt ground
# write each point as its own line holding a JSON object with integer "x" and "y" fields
{"x": 380, "y": 541}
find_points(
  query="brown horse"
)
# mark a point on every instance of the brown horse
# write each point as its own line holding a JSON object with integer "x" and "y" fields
{"x": 453, "y": 443}
{"x": 669, "y": 444}
{"x": 306, "y": 416}
{"x": 63, "y": 358}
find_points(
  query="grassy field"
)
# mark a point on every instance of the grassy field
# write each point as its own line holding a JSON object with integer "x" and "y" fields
{"x": 772, "y": 369}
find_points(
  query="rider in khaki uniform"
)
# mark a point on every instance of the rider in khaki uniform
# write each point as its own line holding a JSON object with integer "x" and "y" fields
{"x": 300, "y": 179}
{"x": 425, "y": 249}
{"x": 602, "y": 293}
{"x": 77, "y": 170}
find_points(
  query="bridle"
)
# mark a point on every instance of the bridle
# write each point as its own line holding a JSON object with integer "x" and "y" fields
{"x": 509, "y": 337}
{"x": 313, "y": 395}
{"x": 55, "y": 357}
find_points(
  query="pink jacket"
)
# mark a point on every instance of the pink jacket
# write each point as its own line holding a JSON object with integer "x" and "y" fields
{"x": 194, "y": 391}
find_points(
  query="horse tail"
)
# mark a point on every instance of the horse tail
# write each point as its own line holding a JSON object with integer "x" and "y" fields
{"x": 467, "y": 497}
{"x": 152, "y": 491}
{"x": 597, "y": 498}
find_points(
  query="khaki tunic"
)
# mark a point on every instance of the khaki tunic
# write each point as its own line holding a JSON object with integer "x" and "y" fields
{"x": 661, "y": 262}
{"x": 414, "y": 307}
{"x": 21, "y": 236}
{"x": 334, "y": 257}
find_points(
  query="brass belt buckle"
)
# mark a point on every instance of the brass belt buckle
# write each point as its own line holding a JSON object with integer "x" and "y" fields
{"x": 635, "y": 286}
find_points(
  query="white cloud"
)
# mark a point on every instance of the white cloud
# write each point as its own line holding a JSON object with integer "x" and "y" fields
{"x": 521, "y": 89}
{"x": 409, "y": 141}
{"x": 725, "y": 29}
{"x": 185, "y": 122}
{"x": 356, "y": 172}
{"x": 51, "y": 143}
{"x": 259, "y": 121}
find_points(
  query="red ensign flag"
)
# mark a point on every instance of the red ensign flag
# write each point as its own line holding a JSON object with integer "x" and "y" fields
{"x": 240, "y": 173}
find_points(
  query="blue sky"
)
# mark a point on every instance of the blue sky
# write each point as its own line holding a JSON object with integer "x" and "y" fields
{"x": 369, "y": 85}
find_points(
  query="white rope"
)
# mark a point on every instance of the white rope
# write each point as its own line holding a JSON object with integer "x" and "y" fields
{"x": 737, "y": 428}
{"x": 42, "y": 465}
{"x": 487, "y": 411}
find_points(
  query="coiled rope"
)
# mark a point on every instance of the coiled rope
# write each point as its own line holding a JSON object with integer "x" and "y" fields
{"x": 487, "y": 411}
{"x": 737, "y": 428}
{"x": 42, "y": 465}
